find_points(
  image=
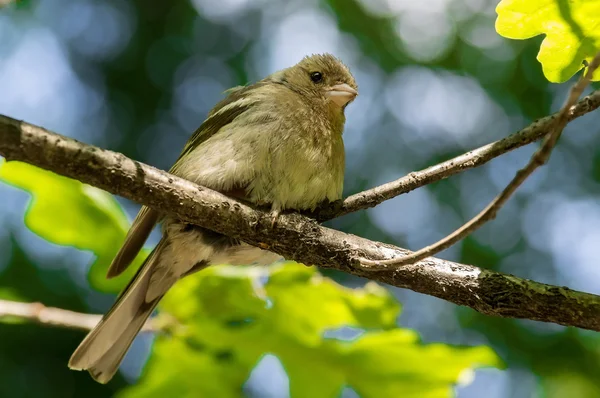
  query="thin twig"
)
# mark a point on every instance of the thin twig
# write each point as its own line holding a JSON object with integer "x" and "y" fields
{"x": 539, "y": 158}
{"x": 50, "y": 316}
{"x": 474, "y": 158}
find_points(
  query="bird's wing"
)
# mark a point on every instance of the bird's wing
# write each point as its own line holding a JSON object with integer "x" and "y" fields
{"x": 137, "y": 235}
{"x": 222, "y": 114}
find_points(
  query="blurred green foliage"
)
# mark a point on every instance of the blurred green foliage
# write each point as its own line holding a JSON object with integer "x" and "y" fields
{"x": 229, "y": 327}
{"x": 88, "y": 218}
{"x": 34, "y": 358}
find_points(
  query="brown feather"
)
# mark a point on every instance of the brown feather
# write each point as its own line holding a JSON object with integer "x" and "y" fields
{"x": 135, "y": 239}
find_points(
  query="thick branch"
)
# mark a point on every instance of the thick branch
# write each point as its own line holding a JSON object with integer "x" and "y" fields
{"x": 294, "y": 236}
{"x": 477, "y": 157}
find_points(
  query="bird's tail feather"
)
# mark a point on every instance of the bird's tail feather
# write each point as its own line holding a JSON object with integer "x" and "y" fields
{"x": 103, "y": 349}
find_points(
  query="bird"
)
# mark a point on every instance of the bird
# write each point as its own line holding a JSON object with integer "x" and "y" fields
{"x": 275, "y": 143}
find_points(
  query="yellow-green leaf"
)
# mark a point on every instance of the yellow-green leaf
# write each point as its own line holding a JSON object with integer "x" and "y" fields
{"x": 69, "y": 213}
{"x": 229, "y": 321}
{"x": 572, "y": 30}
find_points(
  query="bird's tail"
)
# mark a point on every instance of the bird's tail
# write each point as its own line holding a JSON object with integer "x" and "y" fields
{"x": 103, "y": 349}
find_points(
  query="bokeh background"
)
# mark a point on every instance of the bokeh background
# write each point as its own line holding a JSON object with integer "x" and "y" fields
{"x": 435, "y": 80}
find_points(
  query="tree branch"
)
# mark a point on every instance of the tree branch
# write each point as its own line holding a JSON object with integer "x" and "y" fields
{"x": 475, "y": 158}
{"x": 294, "y": 236}
{"x": 39, "y": 313}
{"x": 50, "y": 316}
{"x": 539, "y": 158}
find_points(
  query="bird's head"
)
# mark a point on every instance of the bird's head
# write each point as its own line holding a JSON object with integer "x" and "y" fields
{"x": 321, "y": 77}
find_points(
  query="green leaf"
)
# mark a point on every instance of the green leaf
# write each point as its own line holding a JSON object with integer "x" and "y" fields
{"x": 69, "y": 213}
{"x": 572, "y": 30}
{"x": 227, "y": 321}
{"x": 394, "y": 364}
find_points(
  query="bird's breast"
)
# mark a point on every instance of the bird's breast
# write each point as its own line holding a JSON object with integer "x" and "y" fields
{"x": 305, "y": 170}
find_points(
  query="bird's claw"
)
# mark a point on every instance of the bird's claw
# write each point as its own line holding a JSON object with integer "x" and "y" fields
{"x": 274, "y": 217}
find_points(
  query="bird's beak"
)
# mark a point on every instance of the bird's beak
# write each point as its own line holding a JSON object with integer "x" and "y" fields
{"x": 341, "y": 94}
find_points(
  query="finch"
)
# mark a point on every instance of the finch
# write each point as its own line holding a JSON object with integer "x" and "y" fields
{"x": 276, "y": 143}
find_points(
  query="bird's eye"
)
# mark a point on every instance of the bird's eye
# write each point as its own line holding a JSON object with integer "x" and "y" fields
{"x": 316, "y": 77}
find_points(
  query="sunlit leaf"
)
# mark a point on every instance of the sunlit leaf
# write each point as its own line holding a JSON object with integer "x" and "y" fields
{"x": 572, "y": 30}
{"x": 228, "y": 321}
{"x": 69, "y": 213}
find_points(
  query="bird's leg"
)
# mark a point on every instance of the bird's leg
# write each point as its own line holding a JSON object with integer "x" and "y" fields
{"x": 274, "y": 217}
